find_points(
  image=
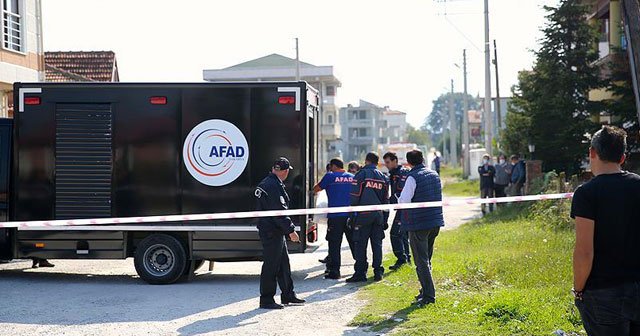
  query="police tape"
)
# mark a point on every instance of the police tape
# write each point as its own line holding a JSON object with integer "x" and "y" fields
{"x": 276, "y": 213}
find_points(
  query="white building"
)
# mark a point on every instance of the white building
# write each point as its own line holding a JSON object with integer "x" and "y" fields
{"x": 369, "y": 127}
{"x": 276, "y": 67}
{"x": 21, "y": 54}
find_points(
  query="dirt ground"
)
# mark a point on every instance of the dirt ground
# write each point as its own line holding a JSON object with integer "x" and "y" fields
{"x": 107, "y": 298}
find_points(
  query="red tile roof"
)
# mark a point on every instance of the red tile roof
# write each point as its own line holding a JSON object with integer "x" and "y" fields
{"x": 73, "y": 66}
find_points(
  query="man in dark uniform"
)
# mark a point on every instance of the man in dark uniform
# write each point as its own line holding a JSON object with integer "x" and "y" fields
{"x": 271, "y": 195}
{"x": 399, "y": 239}
{"x": 370, "y": 187}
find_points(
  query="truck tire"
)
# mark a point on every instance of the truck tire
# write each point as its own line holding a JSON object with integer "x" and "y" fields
{"x": 160, "y": 259}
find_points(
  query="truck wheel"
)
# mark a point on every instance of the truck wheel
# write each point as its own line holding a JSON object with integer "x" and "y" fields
{"x": 160, "y": 259}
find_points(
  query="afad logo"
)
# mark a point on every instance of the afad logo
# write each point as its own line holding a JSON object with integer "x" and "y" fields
{"x": 215, "y": 152}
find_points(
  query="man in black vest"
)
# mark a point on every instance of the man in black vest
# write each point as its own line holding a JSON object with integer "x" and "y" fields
{"x": 271, "y": 195}
{"x": 423, "y": 224}
{"x": 399, "y": 239}
{"x": 370, "y": 187}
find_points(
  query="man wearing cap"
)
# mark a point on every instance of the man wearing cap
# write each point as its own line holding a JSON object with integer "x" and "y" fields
{"x": 271, "y": 195}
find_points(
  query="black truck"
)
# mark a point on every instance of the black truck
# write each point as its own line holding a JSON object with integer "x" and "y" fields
{"x": 103, "y": 150}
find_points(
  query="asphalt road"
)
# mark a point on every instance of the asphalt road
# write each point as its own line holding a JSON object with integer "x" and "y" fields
{"x": 107, "y": 298}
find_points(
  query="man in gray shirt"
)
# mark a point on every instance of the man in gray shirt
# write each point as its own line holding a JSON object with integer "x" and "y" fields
{"x": 501, "y": 180}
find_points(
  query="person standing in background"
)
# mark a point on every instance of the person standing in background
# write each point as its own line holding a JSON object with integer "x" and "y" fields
{"x": 518, "y": 175}
{"x": 436, "y": 162}
{"x": 487, "y": 172}
{"x": 501, "y": 180}
{"x": 353, "y": 167}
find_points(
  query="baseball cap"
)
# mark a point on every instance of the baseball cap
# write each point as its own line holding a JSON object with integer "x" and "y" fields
{"x": 282, "y": 164}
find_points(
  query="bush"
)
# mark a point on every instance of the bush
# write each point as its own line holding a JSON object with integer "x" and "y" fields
{"x": 551, "y": 214}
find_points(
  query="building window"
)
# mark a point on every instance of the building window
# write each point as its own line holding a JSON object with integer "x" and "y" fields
{"x": 330, "y": 119}
{"x": 12, "y": 25}
{"x": 359, "y": 132}
{"x": 362, "y": 115}
{"x": 331, "y": 90}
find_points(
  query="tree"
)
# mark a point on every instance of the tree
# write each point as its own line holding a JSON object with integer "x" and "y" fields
{"x": 622, "y": 105}
{"x": 554, "y": 97}
{"x": 419, "y": 137}
{"x": 437, "y": 122}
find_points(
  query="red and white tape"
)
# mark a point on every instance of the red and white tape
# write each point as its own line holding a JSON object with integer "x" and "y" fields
{"x": 274, "y": 213}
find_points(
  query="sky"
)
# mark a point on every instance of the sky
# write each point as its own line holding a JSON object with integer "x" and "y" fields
{"x": 399, "y": 53}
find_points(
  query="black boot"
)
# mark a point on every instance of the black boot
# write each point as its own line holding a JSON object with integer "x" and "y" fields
{"x": 291, "y": 299}
{"x": 397, "y": 265}
{"x": 271, "y": 305}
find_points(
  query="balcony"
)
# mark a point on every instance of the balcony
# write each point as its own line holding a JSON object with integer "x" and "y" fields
{"x": 330, "y": 131}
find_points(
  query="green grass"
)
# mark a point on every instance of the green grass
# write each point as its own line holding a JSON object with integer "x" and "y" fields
{"x": 454, "y": 185}
{"x": 467, "y": 188}
{"x": 447, "y": 172}
{"x": 501, "y": 275}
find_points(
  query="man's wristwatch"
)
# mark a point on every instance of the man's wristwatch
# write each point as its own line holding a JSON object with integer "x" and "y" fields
{"x": 577, "y": 294}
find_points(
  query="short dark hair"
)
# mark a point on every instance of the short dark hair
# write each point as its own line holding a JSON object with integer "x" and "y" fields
{"x": 515, "y": 157}
{"x": 336, "y": 162}
{"x": 372, "y": 158}
{"x": 610, "y": 143}
{"x": 354, "y": 165}
{"x": 415, "y": 157}
{"x": 391, "y": 156}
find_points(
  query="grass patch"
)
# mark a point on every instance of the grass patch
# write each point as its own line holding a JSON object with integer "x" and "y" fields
{"x": 467, "y": 188}
{"x": 505, "y": 274}
{"x": 454, "y": 185}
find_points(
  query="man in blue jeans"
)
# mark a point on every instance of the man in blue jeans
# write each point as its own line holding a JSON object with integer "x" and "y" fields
{"x": 606, "y": 258}
{"x": 423, "y": 224}
{"x": 337, "y": 184}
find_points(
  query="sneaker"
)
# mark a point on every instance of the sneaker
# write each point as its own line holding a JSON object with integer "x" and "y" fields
{"x": 377, "y": 277}
{"x": 355, "y": 278}
{"x": 332, "y": 275}
{"x": 271, "y": 305}
{"x": 292, "y": 299}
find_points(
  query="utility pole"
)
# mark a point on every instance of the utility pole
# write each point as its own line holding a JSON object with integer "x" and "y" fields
{"x": 488, "y": 120}
{"x": 453, "y": 136}
{"x": 466, "y": 169}
{"x": 498, "y": 107}
{"x": 297, "y": 61}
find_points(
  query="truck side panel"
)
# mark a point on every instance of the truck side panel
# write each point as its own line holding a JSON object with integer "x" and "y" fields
{"x": 62, "y": 167}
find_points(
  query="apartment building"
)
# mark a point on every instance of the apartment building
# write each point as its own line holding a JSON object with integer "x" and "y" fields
{"x": 21, "y": 55}
{"x": 369, "y": 127}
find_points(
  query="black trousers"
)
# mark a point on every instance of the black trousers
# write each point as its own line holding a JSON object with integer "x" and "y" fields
{"x": 275, "y": 269}
{"x": 336, "y": 227}
{"x": 422, "y": 248}
{"x": 500, "y": 190}
{"x": 368, "y": 227}
{"x": 486, "y": 193}
{"x": 611, "y": 311}
{"x": 399, "y": 240}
